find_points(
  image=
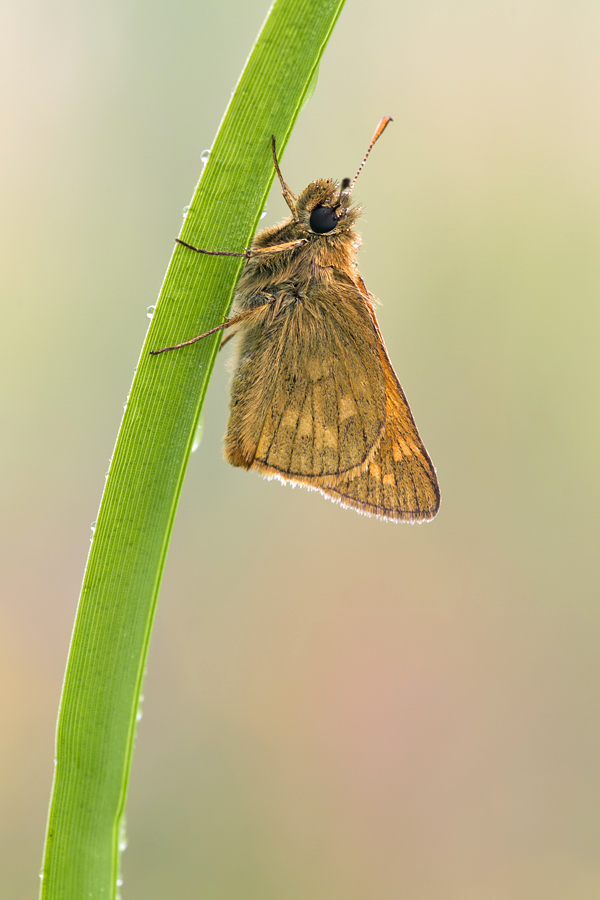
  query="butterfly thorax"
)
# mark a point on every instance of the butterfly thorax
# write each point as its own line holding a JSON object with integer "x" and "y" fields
{"x": 320, "y": 261}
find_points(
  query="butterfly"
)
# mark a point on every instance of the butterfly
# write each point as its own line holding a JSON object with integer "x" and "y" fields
{"x": 315, "y": 400}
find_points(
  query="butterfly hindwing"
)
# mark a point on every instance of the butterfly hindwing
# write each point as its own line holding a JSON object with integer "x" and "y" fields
{"x": 308, "y": 394}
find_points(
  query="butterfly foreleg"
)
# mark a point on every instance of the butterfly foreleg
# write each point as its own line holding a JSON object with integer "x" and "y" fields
{"x": 248, "y": 253}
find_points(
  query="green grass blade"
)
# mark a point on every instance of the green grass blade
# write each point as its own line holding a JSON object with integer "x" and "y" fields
{"x": 97, "y": 717}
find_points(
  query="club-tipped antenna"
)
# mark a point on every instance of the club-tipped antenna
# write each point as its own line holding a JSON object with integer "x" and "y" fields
{"x": 379, "y": 131}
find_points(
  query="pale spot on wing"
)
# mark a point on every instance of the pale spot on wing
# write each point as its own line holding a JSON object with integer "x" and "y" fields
{"x": 302, "y": 454}
{"x": 389, "y": 479}
{"x": 316, "y": 368}
{"x": 289, "y": 418}
{"x": 347, "y": 408}
{"x": 329, "y": 438}
{"x": 375, "y": 470}
{"x": 305, "y": 426}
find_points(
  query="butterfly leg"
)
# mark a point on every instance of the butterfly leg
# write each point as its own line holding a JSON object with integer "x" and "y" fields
{"x": 227, "y": 324}
{"x": 247, "y": 254}
{"x": 226, "y": 339}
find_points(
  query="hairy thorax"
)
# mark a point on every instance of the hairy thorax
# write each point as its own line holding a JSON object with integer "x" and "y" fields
{"x": 321, "y": 262}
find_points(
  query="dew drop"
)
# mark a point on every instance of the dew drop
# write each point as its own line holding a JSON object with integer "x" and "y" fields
{"x": 93, "y": 526}
{"x": 263, "y": 213}
{"x": 122, "y": 835}
{"x": 185, "y": 211}
{"x": 199, "y": 432}
{"x": 150, "y": 311}
{"x": 119, "y": 882}
{"x": 204, "y": 157}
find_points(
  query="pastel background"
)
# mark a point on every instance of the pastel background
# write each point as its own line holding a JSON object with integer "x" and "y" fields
{"x": 336, "y": 708}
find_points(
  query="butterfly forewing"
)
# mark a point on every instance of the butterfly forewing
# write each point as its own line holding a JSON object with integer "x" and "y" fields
{"x": 400, "y": 482}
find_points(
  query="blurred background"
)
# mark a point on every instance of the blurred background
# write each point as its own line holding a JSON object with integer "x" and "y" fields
{"x": 336, "y": 708}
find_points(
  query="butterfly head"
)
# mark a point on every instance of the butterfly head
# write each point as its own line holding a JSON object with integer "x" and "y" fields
{"x": 324, "y": 207}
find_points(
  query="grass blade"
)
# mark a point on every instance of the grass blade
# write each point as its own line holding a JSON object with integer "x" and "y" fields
{"x": 108, "y": 652}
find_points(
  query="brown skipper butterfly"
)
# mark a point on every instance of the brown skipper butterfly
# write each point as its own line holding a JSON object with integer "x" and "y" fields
{"x": 315, "y": 399}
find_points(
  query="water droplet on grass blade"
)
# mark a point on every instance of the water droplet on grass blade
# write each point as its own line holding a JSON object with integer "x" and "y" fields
{"x": 199, "y": 432}
{"x": 122, "y": 835}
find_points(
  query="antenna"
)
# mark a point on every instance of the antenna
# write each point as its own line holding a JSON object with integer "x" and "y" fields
{"x": 380, "y": 129}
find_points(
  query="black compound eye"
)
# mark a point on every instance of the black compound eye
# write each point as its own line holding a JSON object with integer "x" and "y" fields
{"x": 323, "y": 219}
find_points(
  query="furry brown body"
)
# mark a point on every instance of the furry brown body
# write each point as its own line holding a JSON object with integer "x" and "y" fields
{"x": 314, "y": 398}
